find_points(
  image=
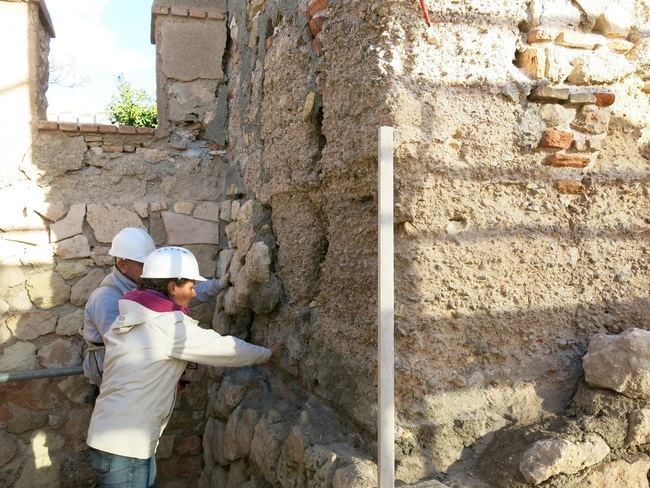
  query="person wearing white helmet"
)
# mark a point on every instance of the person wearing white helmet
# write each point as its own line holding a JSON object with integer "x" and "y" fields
{"x": 147, "y": 350}
{"x": 129, "y": 247}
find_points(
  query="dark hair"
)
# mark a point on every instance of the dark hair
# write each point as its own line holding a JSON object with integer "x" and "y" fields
{"x": 160, "y": 284}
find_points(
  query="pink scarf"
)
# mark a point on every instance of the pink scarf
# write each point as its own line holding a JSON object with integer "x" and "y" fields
{"x": 155, "y": 301}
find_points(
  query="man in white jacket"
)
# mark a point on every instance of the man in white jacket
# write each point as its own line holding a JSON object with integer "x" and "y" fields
{"x": 147, "y": 350}
{"x": 129, "y": 247}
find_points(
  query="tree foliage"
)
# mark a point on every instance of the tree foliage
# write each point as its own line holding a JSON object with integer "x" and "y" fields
{"x": 130, "y": 106}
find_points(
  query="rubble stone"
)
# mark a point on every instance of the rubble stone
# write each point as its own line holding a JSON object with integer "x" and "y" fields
{"x": 47, "y": 289}
{"x": 30, "y": 325}
{"x": 85, "y": 286}
{"x": 182, "y": 229}
{"x": 638, "y": 427}
{"x": 18, "y": 357}
{"x": 60, "y": 353}
{"x": 620, "y": 362}
{"x": 107, "y": 220}
{"x": 70, "y": 225}
{"x": 549, "y": 457}
{"x": 75, "y": 247}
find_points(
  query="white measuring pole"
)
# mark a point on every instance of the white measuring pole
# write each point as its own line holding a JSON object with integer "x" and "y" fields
{"x": 386, "y": 312}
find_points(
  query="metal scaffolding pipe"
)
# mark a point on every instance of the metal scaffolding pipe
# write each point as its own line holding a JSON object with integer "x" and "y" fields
{"x": 386, "y": 312}
{"x": 41, "y": 373}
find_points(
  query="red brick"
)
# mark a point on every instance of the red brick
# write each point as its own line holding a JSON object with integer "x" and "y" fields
{"x": 214, "y": 14}
{"x": 604, "y": 99}
{"x": 317, "y": 21}
{"x": 562, "y": 160}
{"x": 189, "y": 445}
{"x": 179, "y": 11}
{"x": 48, "y": 125}
{"x": 197, "y": 13}
{"x": 126, "y": 129}
{"x": 107, "y": 129}
{"x": 316, "y": 6}
{"x": 145, "y": 130}
{"x": 570, "y": 186}
{"x": 88, "y": 128}
{"x": 555, "y": 138}
{"x": 68, "y": 126}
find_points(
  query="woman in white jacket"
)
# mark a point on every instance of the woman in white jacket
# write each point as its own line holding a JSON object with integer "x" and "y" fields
{"x": 147, "y": 349}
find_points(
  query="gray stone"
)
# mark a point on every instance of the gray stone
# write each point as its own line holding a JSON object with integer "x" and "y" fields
{"x": 263, "y": 298}
{"x": 182, "y": 229}
{"x": 51, "y": 211}
{"x": 30, "y": 325}
{"x": 60, "y": 353}
{"x": 219, "y": 476}
{"x": 23, "y": 420}
{"x": 53, "y": 154}
{"x": 266, "y": 446}
{"x": 8, "y": 448}
{"x": 239, "y": 433}
{"x": 11, "y": 276}
{"x": 258, "y": 262}
{"x": 165, "y": 447}
{"x": 638, "y": 430}
{"x": 216, "y": 122}
{"x": 75, "y": 247}
{"x": 47, "y": 289}
{"x": 71, "y": 225}
{"x": 207, "y": 211}
{"x": 76, "y": 388}
{"x": 620, "y": 362}
{"x": 549, "y": 457}
{"x": 85, "y": 286}
{"x": 223, "y": 261}
{"x": 192, "y": 50}
{"x": 72, "y": 270}
{"x": 237, "y": 474}
{"x": 18, "y": 357}
{"x": 70, "y": 323}
{"x": 360, "y": 474}
{"x": 213, "y": 443}
{"x": 107, "y": 220}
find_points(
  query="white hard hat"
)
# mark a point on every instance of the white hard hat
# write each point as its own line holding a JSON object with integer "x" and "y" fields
{"x": 131, "y": 243}
{"x": 171, "y": 262}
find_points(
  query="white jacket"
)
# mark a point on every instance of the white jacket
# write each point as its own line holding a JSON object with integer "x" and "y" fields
{"x": 146, "y": 353}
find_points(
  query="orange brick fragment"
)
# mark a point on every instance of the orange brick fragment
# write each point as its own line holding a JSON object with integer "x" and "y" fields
{"x": 570, "y": 186}
{"x": 316, "y": 6}
{"x": 604, "y": 99}
{"x": 563, "y": 160}
{"x": 317, "y": 21}
{"x": 558, "y": 139}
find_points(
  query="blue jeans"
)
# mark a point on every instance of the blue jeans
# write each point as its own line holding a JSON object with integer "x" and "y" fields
{"x": 116, "y": 471}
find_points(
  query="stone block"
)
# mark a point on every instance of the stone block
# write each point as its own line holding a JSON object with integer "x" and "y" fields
{"x": 583, "y": 98}
{"x": 126, "y": 129}
{"x": 68, "y": 127}
{"x": 579, "y": 40}
{"x": 182, "y": 229}
{"x": 592, "y": 119}
{"x": 191, "y": 51}
{"x": 554, "y": 138}
{"x": 52, "y": 211}
{"x": 69, "y": 324}
{"x": 207, "y": 211}
{"x": 107, "y": 220}
{"x": 47, "y": 289}
{"x": 616, "y": 20}
{"x": 620, "y": 362}
{"x": 563, "y": 160}
{"x": 69, "y": 226}
{"x": 60, "y": 353}
{"x": 549, "y": 457}
{"x": 570, "y": 187}
{"x": 18, "y": 357}
{"x": 638, "y": 430}
{"x": 145, "y": 130}
{"x": 88, "y": 128}
{"x": 75, "y": 247}
{"x": 30, "y": 325}
{"x": 85, "y": 286}
{"x": 549, "y": 94}
{"x": 107, "y": 129}
{"x": 184, "y": 208}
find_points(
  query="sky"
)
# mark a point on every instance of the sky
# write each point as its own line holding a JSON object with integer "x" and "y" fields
{"x": 95, "y": 41}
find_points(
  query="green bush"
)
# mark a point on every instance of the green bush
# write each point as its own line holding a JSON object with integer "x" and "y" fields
{"x": 130, "y": 106}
